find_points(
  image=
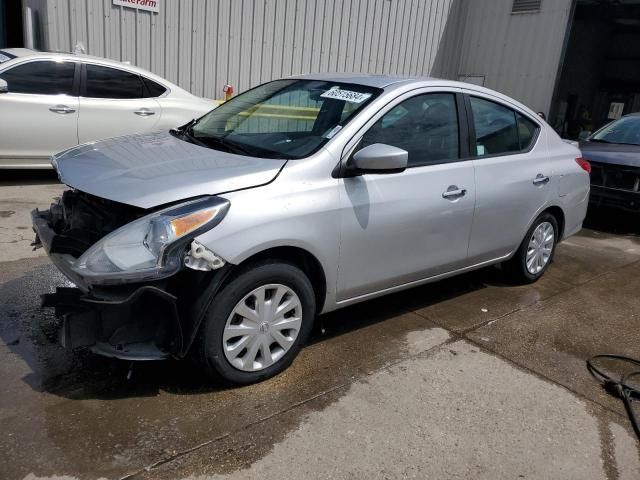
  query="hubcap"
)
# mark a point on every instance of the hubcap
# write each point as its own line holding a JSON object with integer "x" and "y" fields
{"x": 262, "y": 327}
{"x": 540, "y": 248}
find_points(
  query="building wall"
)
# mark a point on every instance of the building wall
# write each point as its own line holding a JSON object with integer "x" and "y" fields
{"x": 516, "y": 54}
{"x": 203, "y": 45}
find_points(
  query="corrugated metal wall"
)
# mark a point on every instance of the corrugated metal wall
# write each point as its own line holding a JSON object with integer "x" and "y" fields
{"x": 518, "y": 54}
{"x": 202, "y": 45}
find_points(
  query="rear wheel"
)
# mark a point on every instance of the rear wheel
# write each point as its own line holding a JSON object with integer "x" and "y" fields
{"x": 536, "y": 251}
{"x": 257, "y": 323}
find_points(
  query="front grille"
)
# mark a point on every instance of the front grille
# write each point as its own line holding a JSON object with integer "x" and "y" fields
{"x": 615, "y": 176}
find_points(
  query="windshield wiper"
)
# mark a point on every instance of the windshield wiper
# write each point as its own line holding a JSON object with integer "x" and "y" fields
{"x": 186, "y": 131}
{"x": 220, "y": 142}
{"x": 599, "y": 140}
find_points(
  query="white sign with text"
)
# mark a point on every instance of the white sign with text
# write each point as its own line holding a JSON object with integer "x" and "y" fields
{"x": 149, "y": 5}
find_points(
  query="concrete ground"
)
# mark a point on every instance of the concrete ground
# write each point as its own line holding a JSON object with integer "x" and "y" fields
{"x": 465, "y": 378}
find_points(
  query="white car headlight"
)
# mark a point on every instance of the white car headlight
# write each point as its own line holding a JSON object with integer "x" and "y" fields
{"x": 152, "y": 246}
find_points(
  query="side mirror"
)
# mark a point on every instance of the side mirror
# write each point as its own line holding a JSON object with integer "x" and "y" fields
{"x": 380, "y": 158}
{"x": 4, "y": 88}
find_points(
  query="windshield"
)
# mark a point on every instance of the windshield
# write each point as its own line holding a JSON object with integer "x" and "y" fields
{"x": 281, "y": 119}
{"x": 624, "y": 130}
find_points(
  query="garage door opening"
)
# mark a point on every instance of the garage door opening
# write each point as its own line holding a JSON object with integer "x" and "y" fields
{"x": 600, "y": 76}
{"x": 10, "y": 24}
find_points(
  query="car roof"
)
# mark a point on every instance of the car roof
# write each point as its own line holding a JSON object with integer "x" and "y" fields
{"x": 384, "y": 81}
{"x": 369, "y": 80}
{"x": 394, "y": 81}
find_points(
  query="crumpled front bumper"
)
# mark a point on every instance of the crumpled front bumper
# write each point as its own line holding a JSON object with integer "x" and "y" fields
{"x": 46, "y": 238}
{"x": 142, "y": 325}
{"x": 149, "y": 320}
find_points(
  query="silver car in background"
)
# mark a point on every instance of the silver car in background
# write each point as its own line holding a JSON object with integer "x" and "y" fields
{"x": 225, "y": 238}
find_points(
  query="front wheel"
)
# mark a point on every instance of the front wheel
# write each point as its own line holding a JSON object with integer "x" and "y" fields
{"x": 257, "y": 323}
{"x": 536, "y": 251}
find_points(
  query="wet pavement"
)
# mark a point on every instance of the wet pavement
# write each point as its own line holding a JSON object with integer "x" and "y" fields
{"x": 466, "y": 378}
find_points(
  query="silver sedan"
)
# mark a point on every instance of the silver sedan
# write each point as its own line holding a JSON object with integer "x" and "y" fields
{"x": 225, "y": 238}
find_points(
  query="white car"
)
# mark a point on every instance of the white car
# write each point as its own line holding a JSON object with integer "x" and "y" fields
{"x": 52, "y": 101}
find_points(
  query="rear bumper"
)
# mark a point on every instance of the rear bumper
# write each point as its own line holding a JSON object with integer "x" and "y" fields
{"x": 614, "y": 198}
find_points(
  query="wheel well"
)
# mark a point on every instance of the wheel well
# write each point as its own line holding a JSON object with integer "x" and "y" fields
{"x": 304, "y": 260}
{"x": 559, "y": 215}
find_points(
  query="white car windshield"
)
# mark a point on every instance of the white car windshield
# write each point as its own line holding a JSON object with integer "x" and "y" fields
{"x": 281, "y": 119}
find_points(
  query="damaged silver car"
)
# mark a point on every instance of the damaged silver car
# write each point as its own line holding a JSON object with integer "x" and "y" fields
{"x": 225, "y": 238}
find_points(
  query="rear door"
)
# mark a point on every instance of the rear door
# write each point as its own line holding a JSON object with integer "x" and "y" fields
{"x": 39, "y": 113}
{"x": 114, "y": 102}
{"x": 514, "y": 175}
{"x": 398, "y": 228}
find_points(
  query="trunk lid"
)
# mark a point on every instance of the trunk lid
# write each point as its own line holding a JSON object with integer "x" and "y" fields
{"x": 154, "y": 169}
{"x": 611, "y": 153}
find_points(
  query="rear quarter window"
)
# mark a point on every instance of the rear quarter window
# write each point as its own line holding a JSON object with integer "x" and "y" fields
{"x": 153, "y": 89}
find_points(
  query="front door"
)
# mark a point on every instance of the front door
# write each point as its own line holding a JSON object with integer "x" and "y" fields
{"x": 402, "y": 227}
{"x": 39, "y": 113}
{"x": 114, "y": 102}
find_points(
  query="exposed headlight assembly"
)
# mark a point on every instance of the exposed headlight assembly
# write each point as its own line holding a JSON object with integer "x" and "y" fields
{"x": 151, "y": 247}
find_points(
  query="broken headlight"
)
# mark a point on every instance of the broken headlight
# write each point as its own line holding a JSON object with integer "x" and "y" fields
{"x": 152, "y": 246}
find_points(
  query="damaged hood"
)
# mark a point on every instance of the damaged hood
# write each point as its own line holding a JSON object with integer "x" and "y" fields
{"x": 154, "y": 169}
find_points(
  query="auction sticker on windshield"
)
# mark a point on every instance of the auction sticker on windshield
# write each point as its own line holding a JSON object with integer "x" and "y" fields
{"x": 337, "y": 94}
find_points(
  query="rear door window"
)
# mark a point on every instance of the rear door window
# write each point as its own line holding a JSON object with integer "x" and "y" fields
{"x": 44, "y": 77}
{"x": 495, "y": 126}
{"x": 499, "y": 130}
{"x": 527, "y": 131}
{"x": 107, "y": 82}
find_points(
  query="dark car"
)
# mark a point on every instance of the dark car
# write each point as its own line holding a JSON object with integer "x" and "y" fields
{"x": 614, "y": 154}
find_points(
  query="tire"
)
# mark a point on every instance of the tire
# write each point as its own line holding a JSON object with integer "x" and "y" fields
{"x": 517, "y": 267}
{"x": 241, "y": 359}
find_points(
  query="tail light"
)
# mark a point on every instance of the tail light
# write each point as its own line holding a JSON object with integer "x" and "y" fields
{"x": 586, "y": 166}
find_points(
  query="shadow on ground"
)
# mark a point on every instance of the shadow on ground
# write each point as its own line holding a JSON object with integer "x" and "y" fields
{"x": 612, "y": 221}
{"x": 31, "y": 333}
{"x": 27, "y": 177}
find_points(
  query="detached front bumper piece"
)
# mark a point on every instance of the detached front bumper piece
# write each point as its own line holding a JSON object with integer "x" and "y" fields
{"x": 142, "y": 325}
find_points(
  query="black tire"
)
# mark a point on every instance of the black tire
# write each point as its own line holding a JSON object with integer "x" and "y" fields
{"x": 516, "y": 267}
{"x": 209, "y": 347}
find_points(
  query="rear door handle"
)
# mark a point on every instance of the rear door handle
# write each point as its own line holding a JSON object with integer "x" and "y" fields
{"x": 540, "y": 179}
{"x": 144, "y": 112}
{"x": 453, "y": 192}
{"x": 61, "y": 109}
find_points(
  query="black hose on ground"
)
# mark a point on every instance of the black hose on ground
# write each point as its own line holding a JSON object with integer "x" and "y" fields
{"x": 621, "y": 388}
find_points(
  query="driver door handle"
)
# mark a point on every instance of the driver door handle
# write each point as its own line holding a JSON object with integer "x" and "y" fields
{"x": 61, "y": 109}
{"x": 454, "y": 192}
{"x": 540, "y": 179}
{"x": 144, "y": 112}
